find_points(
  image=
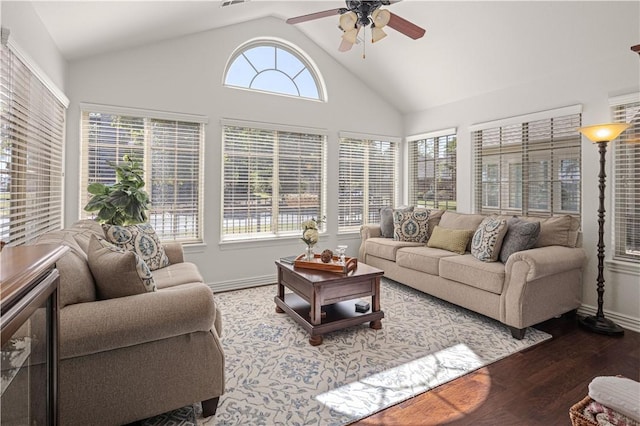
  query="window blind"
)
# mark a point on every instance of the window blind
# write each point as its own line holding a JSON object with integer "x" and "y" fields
{"x": 529, "y": 168}
{"x": 367, "y": 180}
{"x": 432, "y": 170}
{"x": 273, "y": 180}
{"x": 31, "y": 154}
{"x": 171, "y": 154}
{"x": 627, "y": 183}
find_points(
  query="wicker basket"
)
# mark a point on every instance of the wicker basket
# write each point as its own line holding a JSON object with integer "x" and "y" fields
{"x": 575, "y": 413}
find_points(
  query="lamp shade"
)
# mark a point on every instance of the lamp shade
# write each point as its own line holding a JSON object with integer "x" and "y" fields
{"x": 380, "y": 17}
{"x": 348, "y": 21}
{"x": 603, "y": 132}
{"x": 377, "y": 34}
{"x": 351, "y": 35}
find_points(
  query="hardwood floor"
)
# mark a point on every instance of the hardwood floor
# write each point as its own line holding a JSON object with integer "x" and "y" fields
{"x": 533, "y": 387}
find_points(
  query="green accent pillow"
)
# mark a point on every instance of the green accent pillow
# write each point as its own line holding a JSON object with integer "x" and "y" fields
{"x": 454, "y": 240}
{"x": 118, "y": 272}
{"x": 140, "y": 239}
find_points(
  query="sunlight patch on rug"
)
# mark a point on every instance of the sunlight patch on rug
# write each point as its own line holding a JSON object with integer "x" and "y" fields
{"x": 372, "y": 394}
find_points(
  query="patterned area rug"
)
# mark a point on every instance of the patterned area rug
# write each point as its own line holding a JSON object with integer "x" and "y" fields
{"x": 274, "y": 377}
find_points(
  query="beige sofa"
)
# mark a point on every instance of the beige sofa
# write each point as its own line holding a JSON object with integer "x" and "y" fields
{"x": 532, "y": 286}
{"x": 129, "y": 358}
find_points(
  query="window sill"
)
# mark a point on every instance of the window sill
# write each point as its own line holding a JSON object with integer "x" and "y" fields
{"x": 265, "y": 242}
{"x": 622, "y": 267}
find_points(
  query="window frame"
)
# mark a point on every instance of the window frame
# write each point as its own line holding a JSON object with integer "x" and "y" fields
{"x": 626, "y": 149}
{"x": 523, "y": 140}
{"x": 277, "y": 203}
{"x": 288, "y": 47}
{"x": 432, "y": 141}
{"x": 370, "y": 212}
{"x": 194, "y": 233}
{"x": 37, "y": 206}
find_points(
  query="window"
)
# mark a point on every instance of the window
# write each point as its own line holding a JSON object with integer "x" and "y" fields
{"x": 275, "y": 67}
{"x": 170, "y": 149}
{"x": 367, "y": 179}
{"x": 273, "y": 180}
{"x": 31, "y": 151}
{"x": 432, "y": 170}
{"x": 529, "y": 165}
{"x": 626, "y": 183}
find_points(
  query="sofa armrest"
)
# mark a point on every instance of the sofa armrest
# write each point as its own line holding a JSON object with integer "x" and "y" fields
{"x": 546, "y": 261}
{"x": 174, "y": 252}
{"x": 93, "y": 327}
{"x": 367, "y": 231}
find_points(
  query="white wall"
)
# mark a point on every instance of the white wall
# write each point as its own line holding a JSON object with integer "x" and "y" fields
{"x": 185, "y": 75}
{"x": 29, "y": 33}
{"x": 613, "y": 71}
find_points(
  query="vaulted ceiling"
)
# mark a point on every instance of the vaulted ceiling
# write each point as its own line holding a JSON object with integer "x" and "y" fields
{"x": 470, "y": 48}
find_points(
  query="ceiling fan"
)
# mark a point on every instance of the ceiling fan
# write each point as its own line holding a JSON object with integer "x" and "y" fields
{"x": 360, "y": 14}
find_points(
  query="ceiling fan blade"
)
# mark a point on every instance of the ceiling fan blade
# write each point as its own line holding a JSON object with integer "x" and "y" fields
{"x": 312, "y": 16}
{"x": 345, "y": 46}
{"x": 405, "y": 27}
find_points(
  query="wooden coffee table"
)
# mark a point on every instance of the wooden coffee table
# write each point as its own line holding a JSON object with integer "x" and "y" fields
{"x": 324, "y": 301}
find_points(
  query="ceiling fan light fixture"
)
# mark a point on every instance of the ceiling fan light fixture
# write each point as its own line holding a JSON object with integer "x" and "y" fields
{"x": 380, "y": 17}
{"x": 348, "y": 21}
{"x": 351, "y": 35}
{"x": 377, "y": 34}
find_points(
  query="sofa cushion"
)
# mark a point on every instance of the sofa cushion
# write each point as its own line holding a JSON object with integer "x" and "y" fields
{"x": 76, "y": 280}
{"x": 410, "y": 226}
{"x": 455, "y": 240}
{"x": 558, "y": 231}
{"x": 423, "y": 259}
{"x": 455, "y": 220}
{"x": 521, "y": 235}
{"x": 141, "y": 239}
{"x": 386, "y": 248}
{"x": 434, "y": 219}
{"x": 177, "y": 274}
{"x": 487, "y": 240}
{"x": 466, "y": 269}
{"x": 118, "y": 272}
{"x": 386, "y": 219}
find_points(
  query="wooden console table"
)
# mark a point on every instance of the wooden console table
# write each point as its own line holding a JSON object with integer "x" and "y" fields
{"x": 29, "y": 306}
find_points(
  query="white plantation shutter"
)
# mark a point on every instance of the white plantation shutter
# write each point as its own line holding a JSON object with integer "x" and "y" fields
{"x": 273, "y": 179}
{"x": 432, "y": 170}
{"x": 171, "y": 152}
{"x": 367, "y": 179}
{"x": 627, "y": 180}
{"x": 31, "y": 153}
{"x": 529, "y": 165}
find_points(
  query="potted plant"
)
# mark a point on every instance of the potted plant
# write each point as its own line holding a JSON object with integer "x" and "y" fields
{"x": 125, "y": 202}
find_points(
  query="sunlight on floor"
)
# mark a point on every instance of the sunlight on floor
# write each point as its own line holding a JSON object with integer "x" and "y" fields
{"x": 383, "y": 389}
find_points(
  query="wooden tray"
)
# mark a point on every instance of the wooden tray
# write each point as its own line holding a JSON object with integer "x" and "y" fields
{"x": 351, "y": 263}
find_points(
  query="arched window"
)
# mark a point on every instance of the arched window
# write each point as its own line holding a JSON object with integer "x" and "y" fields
{"x": 268, "y": 65}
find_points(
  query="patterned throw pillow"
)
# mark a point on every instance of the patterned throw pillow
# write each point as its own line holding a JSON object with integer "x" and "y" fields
{"x": 140, "y": 239}
{"x": 454, "y": 240}
{"x": 521, "y": 235}
{"x": 410, "y": 226}
{"x": 118, "y": 272}
{"x": 487, "y": 239}
{"x": 386, "y": 220}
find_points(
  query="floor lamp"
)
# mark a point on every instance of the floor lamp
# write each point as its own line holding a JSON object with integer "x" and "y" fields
{"x": 602, "y": 134}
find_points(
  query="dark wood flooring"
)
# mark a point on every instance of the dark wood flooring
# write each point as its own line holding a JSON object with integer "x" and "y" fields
{"x": 537, "y": 386}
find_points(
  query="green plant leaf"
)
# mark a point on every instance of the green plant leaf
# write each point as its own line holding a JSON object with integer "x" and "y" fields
{"x": 97, "y": 188}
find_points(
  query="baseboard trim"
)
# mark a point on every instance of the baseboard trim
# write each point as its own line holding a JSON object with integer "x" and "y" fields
{"x": 622, "y": 320}
{"x": 239, "y": 284}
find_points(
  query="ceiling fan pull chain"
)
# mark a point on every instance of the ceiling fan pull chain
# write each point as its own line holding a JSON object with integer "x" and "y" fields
{"x": 364, "y": 42}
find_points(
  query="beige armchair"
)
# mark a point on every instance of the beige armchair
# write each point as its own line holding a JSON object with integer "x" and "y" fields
{"x": 130, "y": 358}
